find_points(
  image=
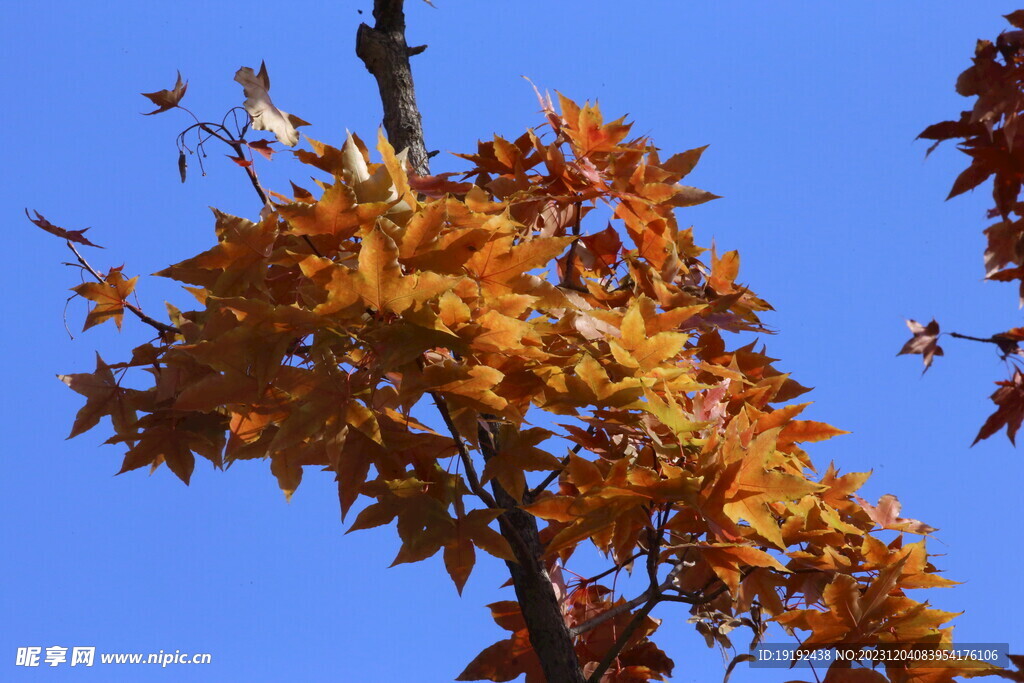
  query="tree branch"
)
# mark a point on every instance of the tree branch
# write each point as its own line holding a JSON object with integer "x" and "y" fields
{"x": 386, "y": 56}
{"x": 1007, "y": 345}
{"x": 551, "y": 639}
{"x": 467, "y": 462}
{"x": 990, "y": 340}
{"x": 650, "y": 596}
{"x": 612, "y": 570}
{"x": 592, "y": 623}
{"x": 532, "y": 494}
{"x": 509, "y": 532}
{"x": 657, "y": 595}
{"x": 156, "y": 324}
{"x": 620, "y": 642}
{"x": 237, "y": 146}
{"x": 655, "y": 592}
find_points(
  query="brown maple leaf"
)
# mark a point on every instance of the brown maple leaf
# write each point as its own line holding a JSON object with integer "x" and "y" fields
{"x": 925, "y": 342}
{"x": 1009, "y": 398}
{"x": 165, "y": 100}
{"x": 104, "y": 397}
{"x": 108, "y": 297}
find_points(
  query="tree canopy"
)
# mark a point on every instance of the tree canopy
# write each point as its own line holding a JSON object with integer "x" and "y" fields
{"x": 524, "y": 356}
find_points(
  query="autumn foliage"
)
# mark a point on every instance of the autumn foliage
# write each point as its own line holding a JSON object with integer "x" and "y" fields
{"x": 534, "y": 333}
{"x": 991, "y": 135}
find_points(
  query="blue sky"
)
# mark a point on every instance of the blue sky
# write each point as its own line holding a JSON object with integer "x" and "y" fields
{"x": 810, "y": 110}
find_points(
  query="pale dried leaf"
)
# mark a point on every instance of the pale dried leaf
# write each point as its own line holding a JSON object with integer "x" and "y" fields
{"x": 265, "y": 116}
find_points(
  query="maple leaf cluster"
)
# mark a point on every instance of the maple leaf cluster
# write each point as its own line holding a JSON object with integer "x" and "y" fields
{"x": 991, "y": 135}
{"x": 325, "y": 330}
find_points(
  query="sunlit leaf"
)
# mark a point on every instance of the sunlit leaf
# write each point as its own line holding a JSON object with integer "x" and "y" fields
{"x": 265, "y": 116}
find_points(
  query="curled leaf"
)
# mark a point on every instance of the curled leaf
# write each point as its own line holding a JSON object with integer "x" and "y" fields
{"x": 165, "y": 100}
{"x": 265, "y": 116}
{"x": 70, "y": 235}
{"x": 263, "y": 147}
{"x": 925, "y": 341}
{"x": 182, "y": 165}
{"x": 352, "y": 160}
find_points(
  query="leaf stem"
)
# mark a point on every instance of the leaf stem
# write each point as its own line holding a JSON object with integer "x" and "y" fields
{"x": 159, "y": 326}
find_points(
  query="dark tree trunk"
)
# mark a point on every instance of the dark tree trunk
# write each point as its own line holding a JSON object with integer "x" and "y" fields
{"x": 386, "y": 55}
{"x": 549, "y": 635}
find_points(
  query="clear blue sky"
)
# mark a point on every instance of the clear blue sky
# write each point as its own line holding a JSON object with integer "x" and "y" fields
{"x": 811, "y": 110}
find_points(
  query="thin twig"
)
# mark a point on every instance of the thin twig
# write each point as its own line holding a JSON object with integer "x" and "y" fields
{"x": 237, "y": 146}
{"x": 159, "y": 326}
{"x": 596, "y": 621}
{"x": 621, "y": 641}
{"x": 700, "y": 597}
{"x": 618, "y": 567}
{"x": 467, "y": 462}
{"x": 512, "y": 535}
{"x": 990, "y": 340}
{"x": 511, "y": 506}
{"x": 240, "y": 153}
{"x": 532, "y": 494}
{"x": 206, "y": 127}
{"x": 653, "y": 591}
{"x": 656, "y": 595}
{"x": 1007, "y": 345}
{"x": 702, "y": 600}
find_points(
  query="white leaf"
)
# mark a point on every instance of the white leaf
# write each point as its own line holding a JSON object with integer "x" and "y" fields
{"x": 265, "y": 116}
{"x": 370, "y": 187}
{"x": 353, "y": 161}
